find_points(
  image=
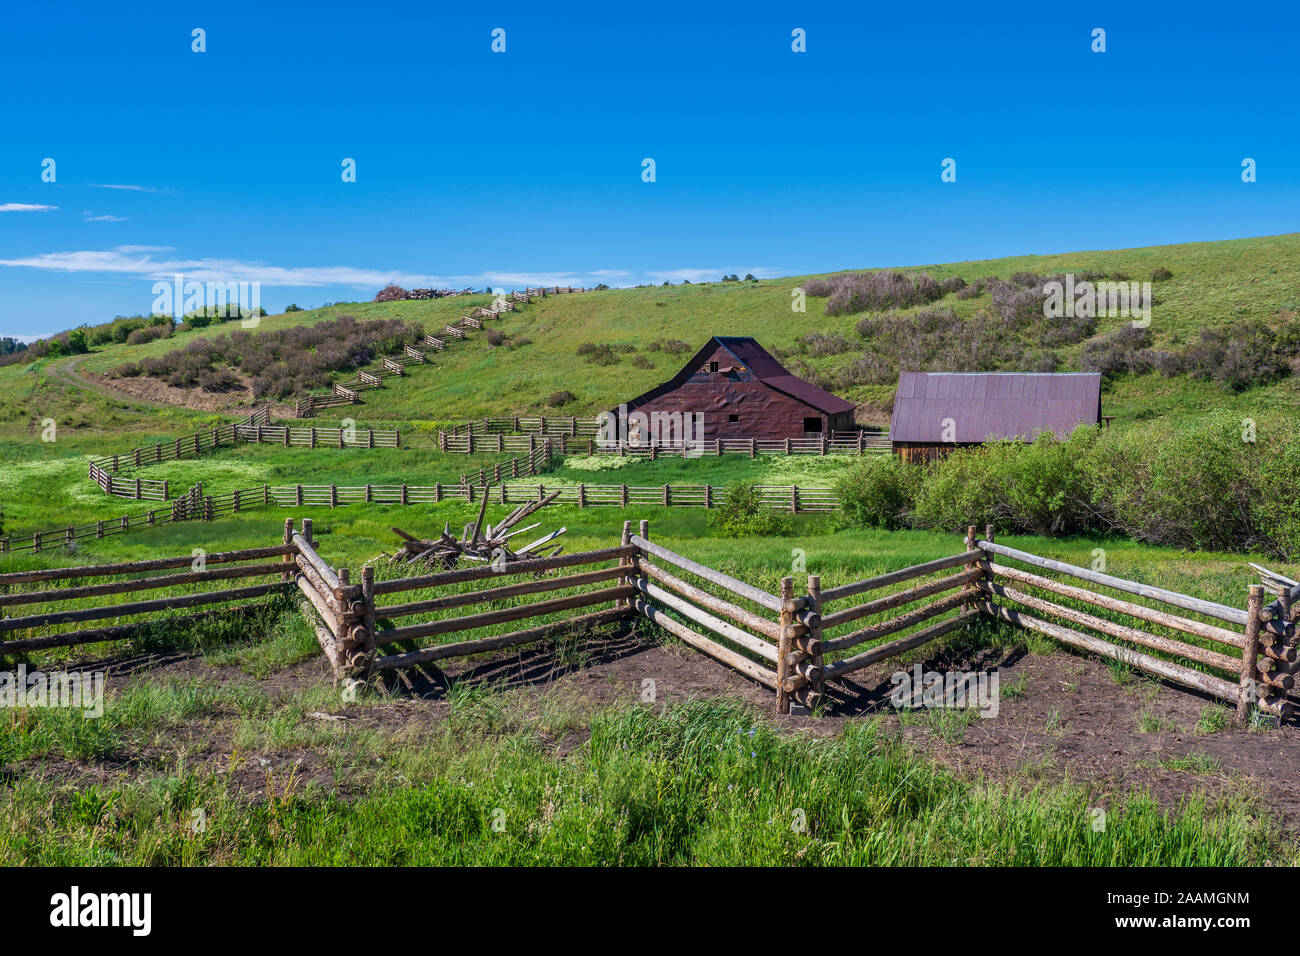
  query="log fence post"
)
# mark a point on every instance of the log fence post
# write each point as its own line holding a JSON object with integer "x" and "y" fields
{"x": 785, "y": 644}
{"x": 1246, "y": 696}
{"x": 287, "y": 557}
{"x": 817, "y": 687}
{"x": 626, "y": 562}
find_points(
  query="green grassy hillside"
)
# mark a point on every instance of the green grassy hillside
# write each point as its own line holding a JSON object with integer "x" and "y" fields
{"x": 1213, "y": 285}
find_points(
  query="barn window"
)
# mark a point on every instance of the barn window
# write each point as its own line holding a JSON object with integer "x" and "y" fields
{"x": 812, "y": 427}
{"x": 733, "y": 419}
{"x": 713, "y": 366}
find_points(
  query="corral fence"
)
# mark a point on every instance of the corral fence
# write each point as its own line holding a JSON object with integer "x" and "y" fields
{"x": 256, "y": 429}
{"x": 70, "y": 598}
{"x": 467, "y": 442}
{"x": 103, "y": 470}
{"x": 195, "y": 505}
{"x": 1240, "y": 656}
{"x": 795, "y": 644}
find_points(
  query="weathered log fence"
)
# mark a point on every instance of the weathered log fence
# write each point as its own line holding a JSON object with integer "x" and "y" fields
{"x": 256, "y": 429}
{"x": 795, "y": 644}
{"x": 103, "y": 471}
{"x": 1249, "y": 663}
{"x": 62, "y": 595}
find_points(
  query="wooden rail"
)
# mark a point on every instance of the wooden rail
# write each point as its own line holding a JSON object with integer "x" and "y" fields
{"x": 793, "y": 644}
{"x": 179, "y": 592}
{"x": 1256, "y": 669}
{"x": 574, "y": 437}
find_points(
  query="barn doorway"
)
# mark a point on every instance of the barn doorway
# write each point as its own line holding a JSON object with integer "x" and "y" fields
{"x": 812, "y": 427}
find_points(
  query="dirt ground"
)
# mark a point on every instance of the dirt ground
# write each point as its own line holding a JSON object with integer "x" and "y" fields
{"x": 1068, "y": 719}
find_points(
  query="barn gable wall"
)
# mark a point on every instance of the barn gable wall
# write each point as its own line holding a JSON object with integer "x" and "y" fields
{"x": 762, "y": 411}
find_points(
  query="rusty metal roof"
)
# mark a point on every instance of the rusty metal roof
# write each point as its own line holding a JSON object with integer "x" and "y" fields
{"x": 763, "y": 366}
{"x": 984, "y": 405}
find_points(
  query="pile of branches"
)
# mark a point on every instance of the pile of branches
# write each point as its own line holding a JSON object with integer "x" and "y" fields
{"x": 480, "y": 543}
{"x": 437, "y": 293}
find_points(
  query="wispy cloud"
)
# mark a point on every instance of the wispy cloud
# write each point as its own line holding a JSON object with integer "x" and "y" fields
{"x": 128, "y": 186}
{"x": 147, "y": 262}
{"x": 152, "y": 262}
{"x": 25, "y": 207}
{"x": 104, "y": 218}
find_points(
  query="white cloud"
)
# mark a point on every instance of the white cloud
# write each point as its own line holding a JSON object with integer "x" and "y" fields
{"x": 142, "y": 261}
{"x": 105, "y": 218}
{"x": 150, "y": 262}
{"x": 132, "y": 188}
{"x": 25, "y": 207}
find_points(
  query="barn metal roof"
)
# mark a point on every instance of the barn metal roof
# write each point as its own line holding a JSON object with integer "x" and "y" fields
{"x": 985, "y": 405}
{"x": 763, "y": 366}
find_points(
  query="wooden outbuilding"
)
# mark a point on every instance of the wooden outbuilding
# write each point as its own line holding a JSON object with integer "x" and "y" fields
{"x": 741, "y": 391}
{"x": 935, "y": 412}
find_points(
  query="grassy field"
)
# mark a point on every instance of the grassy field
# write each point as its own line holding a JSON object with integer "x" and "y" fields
{"x": 223, "y": 718}
{"x": 1214, "y": 285}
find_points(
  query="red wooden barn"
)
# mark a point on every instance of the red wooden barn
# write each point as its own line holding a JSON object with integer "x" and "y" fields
{"x": 743, "y": 392}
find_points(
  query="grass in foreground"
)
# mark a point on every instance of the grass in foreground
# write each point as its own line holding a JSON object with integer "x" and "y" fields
{"x": 702, "y": 783}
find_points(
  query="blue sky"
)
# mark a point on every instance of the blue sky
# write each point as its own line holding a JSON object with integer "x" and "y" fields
{"x": 477, "y": 168}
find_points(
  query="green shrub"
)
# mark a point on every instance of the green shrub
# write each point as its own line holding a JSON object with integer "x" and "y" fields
{"x": 879, "y": 492}
{"x": 1038, "y": 487}
{"x": 1190, "y": 488}
{"x": 742, "y": 514}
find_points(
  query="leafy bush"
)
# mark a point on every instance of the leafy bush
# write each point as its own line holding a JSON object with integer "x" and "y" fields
{"x": 283, "y": 362}
{"x": 149, "y": 333}
{"x": 557, "y": 399}
{"x": 742, "y": 514}
{"x": 819, "y": 345}
{"x": 642, "y": 362}
{"x": 1215, "y": 484}
{"x": 935, "y": 339}
{"x": 671, "y": 346}
{"x": 597, "y": 354}
{"x": 1237, "y": 358}
{"x": 1160, "y": 274}
{"x": 879, "y": 492}
{"x": 852, "y": 292}
{"x": 1116, "y": 352}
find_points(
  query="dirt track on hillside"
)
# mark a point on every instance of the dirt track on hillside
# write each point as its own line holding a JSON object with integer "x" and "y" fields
{"x": 146, "y": 392}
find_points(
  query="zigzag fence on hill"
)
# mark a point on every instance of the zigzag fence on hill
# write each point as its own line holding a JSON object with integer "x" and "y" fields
{"x": 348, "y": 393}
{"x": 800, "y": 646}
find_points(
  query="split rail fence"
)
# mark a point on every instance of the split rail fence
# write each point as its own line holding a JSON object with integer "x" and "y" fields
{"x": 1240, "y": 656}
{"x": 61, "y": 607}
{"x": 794, "y": 644}
{"x": 256, "y": 429}
{"x": 469, "y": 442}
